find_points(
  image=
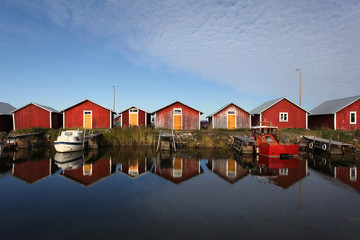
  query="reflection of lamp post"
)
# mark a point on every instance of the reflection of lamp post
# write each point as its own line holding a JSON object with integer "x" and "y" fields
{"x": 299, "y": 69}
{"x": 114, "y": 99}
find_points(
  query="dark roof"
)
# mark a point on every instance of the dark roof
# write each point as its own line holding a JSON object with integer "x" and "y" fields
{"x": 226, "y": 107}
{"x": 6, "y": 109}
{"x": 173, "y": 104}
{"x": 333, "y": 106}
{"x": 269, "y": 104}
{"x": 85, "y": 101}
{"x": 49, "y": 109}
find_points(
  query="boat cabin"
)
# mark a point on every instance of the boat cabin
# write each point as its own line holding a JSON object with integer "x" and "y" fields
{"x": 265, "y": 132}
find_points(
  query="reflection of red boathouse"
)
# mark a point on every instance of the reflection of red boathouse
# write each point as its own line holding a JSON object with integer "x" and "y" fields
{"x": 349, "y": 176}
{"x": 283, "y": 173}
{"x": 90, "y": 172}
{"x": 33, "y": 170}
{"x": 177, "y": 169}
{"x": 228, "y": 169}
{"x": 135, "y": 167}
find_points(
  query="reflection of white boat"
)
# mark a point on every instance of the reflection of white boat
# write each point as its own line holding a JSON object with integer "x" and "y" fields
{"x": 70, "y": 141}
{"x": 66, "y": 161}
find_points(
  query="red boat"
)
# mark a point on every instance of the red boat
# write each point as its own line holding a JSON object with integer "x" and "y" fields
{"x": 267, "y": 142}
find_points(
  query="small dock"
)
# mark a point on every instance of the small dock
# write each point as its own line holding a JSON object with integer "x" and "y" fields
{"x": 244, "y": 144}
{"x": 27, "y": 140}
{"x": 327, "y": 145}
{"x": 166, "y": 141}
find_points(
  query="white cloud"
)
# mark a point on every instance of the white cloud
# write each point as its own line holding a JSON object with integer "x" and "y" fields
{"x": 244, "y": 44}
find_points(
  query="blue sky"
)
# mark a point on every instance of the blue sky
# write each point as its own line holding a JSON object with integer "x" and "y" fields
{"x": 203, "y": 53}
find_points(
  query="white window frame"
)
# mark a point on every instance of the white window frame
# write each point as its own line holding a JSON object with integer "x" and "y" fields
{"x": 91, "y": 118}
{"x": 178, "y": 114}
{"x": 353, "y": 112}
{"x": 284, "y": 114}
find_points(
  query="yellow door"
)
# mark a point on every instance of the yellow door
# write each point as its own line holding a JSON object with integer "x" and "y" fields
{"x": 231, "y": 165}
{"x": 87, "y": 119}
{"x": 231, "y": 121}
{"x": 87, "y": 170}
{"x": 133, "y": 165}
{"x": 133, "y": 119}
{"x": 177, "y": 122}
{"x": 177, "y": 163}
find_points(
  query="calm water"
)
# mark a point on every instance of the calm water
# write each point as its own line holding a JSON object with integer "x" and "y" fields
{"x": 123, "y": 194}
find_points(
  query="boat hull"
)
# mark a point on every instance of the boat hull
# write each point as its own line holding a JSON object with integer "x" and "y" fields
{"x": 69, "y": 146}
{"x": 279, "y": 151}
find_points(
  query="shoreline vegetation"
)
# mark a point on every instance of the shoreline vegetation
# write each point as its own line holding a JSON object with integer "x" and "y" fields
{"x": 211, "y": 138}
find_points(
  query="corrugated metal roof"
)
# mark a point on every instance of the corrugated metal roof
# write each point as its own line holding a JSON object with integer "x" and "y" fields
{"x": 50, "y": 109}
{"x": 174, "y": 103}
{"x": 265, "y": 106}
{"x": 270, "y": 103}
{"x": 226, "y": 107}
{"x": 6, "y": 109}
{"x": 333, "y": 106}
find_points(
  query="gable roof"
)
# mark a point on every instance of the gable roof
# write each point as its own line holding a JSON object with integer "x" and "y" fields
{"x": 333, "y": 106}
{"x": 268, "y": 104}
{"x": 6, "y": 109}
{"x": 133, "y": 107}
{"x": 85, "y": 101}
{"x": 173, "y": 104}
{"x": 226, "y": 107}
{"x": 49, "y": 109}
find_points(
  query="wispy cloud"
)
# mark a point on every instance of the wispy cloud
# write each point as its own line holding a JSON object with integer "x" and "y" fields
{"x": 244, "y": 44}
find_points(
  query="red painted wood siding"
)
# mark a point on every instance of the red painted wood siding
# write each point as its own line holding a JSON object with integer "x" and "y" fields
{"x": 141, "y": 118}
{"x": 343, "y": 117}
{"x": 296, "y": 116}
{"x": 32, "y": 116}
{"x": 320, "y": 121}
{"x": 125, "y": 119}
{"x": 100, "y": 116}
{"x": 190, "y": 117}
{"x": 242, "y": 118}
{"x": 100, "y": 169}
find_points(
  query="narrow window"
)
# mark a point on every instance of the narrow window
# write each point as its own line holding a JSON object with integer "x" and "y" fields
{"x": 283, "y": 117}
{"x": 353, "y": 174}
{"x": 352, "y": 117}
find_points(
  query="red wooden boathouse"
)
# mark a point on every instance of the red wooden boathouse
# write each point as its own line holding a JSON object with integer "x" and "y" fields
{"x": 230, "y": 116}
{"x": 35, "y": 115}
{"x": 282, "y": 113}
{"x": 228, "y": 169}
{"x": 6, "y": 119}
{"x": 88, "y": 114}
{"x": 340, "y": 114}
{"x": 177, "y": 116}
{"x": 134, "y": 116}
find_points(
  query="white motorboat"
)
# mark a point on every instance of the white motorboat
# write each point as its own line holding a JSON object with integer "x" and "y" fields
{"x": 69, "y": 161}
{"x": 70, "y": 141}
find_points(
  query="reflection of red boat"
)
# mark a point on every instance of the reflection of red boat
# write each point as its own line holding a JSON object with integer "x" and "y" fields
{"x": 276, "y": 163}
{"x": 267, "y": 143}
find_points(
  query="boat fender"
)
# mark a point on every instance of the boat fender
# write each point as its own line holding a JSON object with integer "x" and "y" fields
{"x": 311, "y": 145}
{"x": 323, "y": 147}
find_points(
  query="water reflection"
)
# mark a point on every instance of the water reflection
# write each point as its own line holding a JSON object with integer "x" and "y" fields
{"x": 283, "y": 173}
{"x": 177, "y": 167}
{"x": 92, "y": 169}
{"x": 68, "y": 161}
{"x": 228, "y": 169}
{"x": 32, "y": 166}
{"x": 343, "y": 168}
{"x": 134, "y": 164}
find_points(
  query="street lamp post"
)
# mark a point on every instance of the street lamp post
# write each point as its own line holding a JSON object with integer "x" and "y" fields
{"x": 114, "y": 99}
{"x": 299, "y": 69}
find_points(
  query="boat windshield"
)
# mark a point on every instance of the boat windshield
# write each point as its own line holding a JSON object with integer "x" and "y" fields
{"x": 269, "y": 139}
{"x": 68, "y": 134}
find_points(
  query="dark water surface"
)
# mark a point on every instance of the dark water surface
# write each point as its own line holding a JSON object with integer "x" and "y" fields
{"x": 137, "y": 194}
